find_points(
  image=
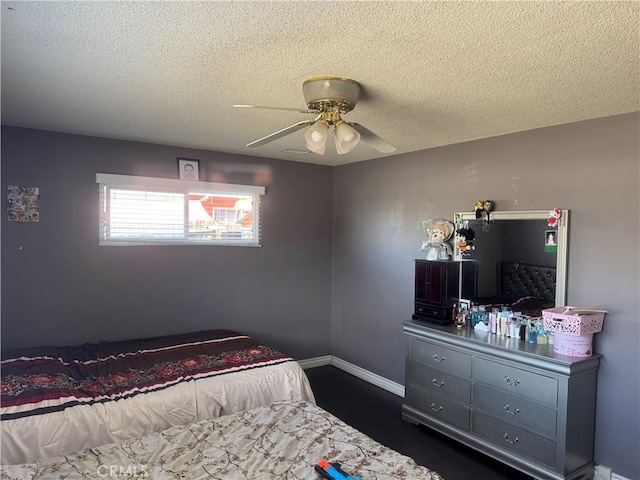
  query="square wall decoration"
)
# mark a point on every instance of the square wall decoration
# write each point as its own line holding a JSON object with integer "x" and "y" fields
{"x": 23, "y": 204}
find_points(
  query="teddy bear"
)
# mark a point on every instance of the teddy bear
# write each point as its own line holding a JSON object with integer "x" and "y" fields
{"x": 438, "y": 232}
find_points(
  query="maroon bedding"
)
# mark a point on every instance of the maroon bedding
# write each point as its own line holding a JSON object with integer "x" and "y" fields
{"x": 49, "y": 379}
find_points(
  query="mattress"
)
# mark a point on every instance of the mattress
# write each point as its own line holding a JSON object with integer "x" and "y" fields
{"x": 63, "y": 400}
{"x": 282, "y": 440}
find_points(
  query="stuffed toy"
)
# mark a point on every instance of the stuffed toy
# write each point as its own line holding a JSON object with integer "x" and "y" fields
{"x": 438, "y": 232}
{"x": 464, "y": 240}
{"x": 479, "y": 208}
{"x": 483, "y": 207}
{"x": 554, "y": 217}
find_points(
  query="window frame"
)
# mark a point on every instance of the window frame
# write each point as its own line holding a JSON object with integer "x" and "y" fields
{"x": 108, "y": 181}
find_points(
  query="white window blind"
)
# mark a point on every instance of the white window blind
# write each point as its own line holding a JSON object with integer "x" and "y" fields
{"x": 158, "y": 211}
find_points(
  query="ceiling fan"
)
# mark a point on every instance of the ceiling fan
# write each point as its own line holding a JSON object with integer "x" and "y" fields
{"x": 328, "y": 98}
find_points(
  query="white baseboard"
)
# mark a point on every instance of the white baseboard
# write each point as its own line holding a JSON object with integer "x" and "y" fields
{"x": 356, "y": 371}
{"x": 368, "y": 376}
{"x": 603, "y": 472}
{"x": 618, "y": 477}
{"x": 315, "y": 362}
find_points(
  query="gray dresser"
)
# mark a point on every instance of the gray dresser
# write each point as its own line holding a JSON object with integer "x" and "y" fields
{"x": 517, "y": 402}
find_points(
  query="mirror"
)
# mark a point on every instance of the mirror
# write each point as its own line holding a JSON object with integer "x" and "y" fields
{"x": 516, "y": 256}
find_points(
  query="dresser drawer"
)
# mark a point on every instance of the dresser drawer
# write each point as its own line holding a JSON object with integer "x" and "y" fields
{"x": 439, "y": 381}
{"x": 438, "y": 407}
{"x": 443, "y": 358}
{"x": 516, "y": 439}
{"x": 432, "y": 311}
{"x": 515, "y": 409}
{"x": 531, "y": 385}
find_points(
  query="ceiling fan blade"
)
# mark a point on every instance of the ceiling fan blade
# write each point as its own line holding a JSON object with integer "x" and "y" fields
{"x": 277, "y": 108}
{"x": 281, "y": 133}
{"x": 372, "y": 139}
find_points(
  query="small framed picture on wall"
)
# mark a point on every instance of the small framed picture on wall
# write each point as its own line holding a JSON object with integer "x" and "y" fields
{"x": 188, "y": 169}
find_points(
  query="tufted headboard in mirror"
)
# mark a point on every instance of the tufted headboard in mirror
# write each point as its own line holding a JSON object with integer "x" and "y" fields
{"x": 518, "y": 280}
{"x": 513, "y": 258}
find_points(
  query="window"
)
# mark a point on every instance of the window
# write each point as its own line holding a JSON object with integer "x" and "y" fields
{"x": 156, "y": 211}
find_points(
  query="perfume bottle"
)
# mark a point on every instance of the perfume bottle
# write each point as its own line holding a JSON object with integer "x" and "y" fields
{"x": 474, "y": 316}
{"x": 533, "y": 333}
{"x": 493, "y": 321}
{"x": 542, "y": 336}
{"x": 483, "y": 315}
{"x": 504, "y": 316}
{"x": 523, "y": 329}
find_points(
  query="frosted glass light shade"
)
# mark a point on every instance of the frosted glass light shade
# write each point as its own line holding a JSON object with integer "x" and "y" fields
{"x": 315, "y": 137}
{"x": 346, "y": 138}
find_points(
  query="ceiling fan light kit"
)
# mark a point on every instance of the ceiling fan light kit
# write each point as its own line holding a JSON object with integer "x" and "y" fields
{"x": 328, "y": 97}
{"x": 315, "y": 137}
{"x": 346, "y": 138}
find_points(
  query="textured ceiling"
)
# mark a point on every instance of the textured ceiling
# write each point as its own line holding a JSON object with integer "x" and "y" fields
{"x": 433, "y": 73}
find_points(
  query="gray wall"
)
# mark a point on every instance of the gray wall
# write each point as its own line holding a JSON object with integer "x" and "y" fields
{"x": 591, "y": 168}
{"x": 62, "y": 288}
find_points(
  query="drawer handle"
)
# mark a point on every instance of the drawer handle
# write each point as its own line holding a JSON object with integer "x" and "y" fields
{"x": 439, "y": 409}
{"x": 436, "y": 384}
{"x": 514, "y": 412}
{"x": 506, "y": 438}
{"x": 438, "y": 359}
{"x": 509, "y": 382}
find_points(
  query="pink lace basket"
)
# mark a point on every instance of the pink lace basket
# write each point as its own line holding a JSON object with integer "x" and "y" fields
{"x": 554, "y": 320}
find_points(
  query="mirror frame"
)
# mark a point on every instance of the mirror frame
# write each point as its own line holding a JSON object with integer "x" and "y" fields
{"x": 562, "y": 240}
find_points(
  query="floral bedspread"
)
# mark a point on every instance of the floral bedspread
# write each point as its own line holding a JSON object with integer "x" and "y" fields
{"x": 283, "y": 440}
{"x": 50, "y": 379}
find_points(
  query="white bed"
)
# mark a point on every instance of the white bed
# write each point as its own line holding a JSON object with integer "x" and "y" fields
{"x": 282, "y": 440}
{"x": 56, "y": 420}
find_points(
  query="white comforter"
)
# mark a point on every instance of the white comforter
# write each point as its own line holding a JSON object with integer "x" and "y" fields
{"x": 31, "y": 438}
{"x": 283, "y": 440}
